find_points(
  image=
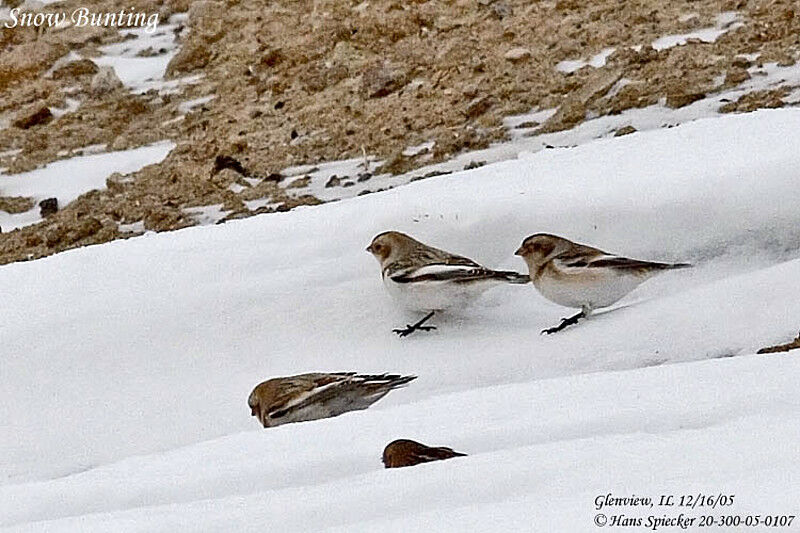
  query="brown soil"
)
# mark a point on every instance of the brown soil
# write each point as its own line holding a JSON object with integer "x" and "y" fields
{"x": 15, "y": 204}
{"x": 794, "y": 345}
{"x": 316, "y": 80}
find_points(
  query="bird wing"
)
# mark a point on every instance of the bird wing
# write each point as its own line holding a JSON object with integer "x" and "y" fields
{"x": 445, "y": 272}
{"x": 603, "y": 260}
{"x": 302, "y": 390}
{"x": 330, "y": 386}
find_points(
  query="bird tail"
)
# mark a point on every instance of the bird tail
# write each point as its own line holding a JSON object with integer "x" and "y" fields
{"x": 675, "y": 266}
{"x": 514, "y": 278}
{"x": 437, "y": 454}
{"x": 384, "y": 381}
{"x": 452, "y": 452}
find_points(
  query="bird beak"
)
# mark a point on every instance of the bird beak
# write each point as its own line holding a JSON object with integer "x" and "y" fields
{"x": 253, "y": 411}
{"x": 519, "y": 251}
{"x": 369, "y": 248}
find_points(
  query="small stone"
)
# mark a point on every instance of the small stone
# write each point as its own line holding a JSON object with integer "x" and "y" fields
{"x": 470, "y": 91}
{"x": 691, "y": 22}
{"x": 162, "y": 218}
{"x": 272, "y": 57}
{"x": 31, "y": 118}
{"x": 75, "y": 69}
{"x": 676, "y": 100}
{"x": 626, "y": 130}
{"x": 437, "y": 173}
{"x": 48, "y": 206}
{"x": 474, "y": 164}
{"x": 193, "y": 55}
{"x": 381, "y": 80}
{"x": 502, "y": 10}
{"x": 517, "y": 54}
{"x": 334, "y": 181}
{"x": 741, "y": 62}
{"x": 105, "y": 81}
{"x": 299, "y": 183}
{"x": 478, "y": 106}
{"x": 224, "y": 161}
{"x": 736, "y": 76}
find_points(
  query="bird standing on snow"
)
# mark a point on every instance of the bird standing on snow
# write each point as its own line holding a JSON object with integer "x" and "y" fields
{"x": 313, "y": 396}
{"x": 404, "y": 452}
{"x": 426, "y": 279}
{"x": 576, "y": 275}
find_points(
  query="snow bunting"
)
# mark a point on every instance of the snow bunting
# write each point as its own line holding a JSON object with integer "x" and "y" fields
{"x": 404, "y": 452}
{"x": 576, "y": 275}
{"x": 426, "y": 279}
{"x": 306, "y": 397}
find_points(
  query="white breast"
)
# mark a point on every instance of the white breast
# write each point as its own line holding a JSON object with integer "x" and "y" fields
{"x": 587, "y": 289}
{"x": 436, "y": 295}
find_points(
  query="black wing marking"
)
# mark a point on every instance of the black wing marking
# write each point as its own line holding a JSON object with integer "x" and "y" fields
{"x": 624, "y": 263}
{"x": 461, "y": 276}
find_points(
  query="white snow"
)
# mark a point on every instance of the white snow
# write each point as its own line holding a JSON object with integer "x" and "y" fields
{"x": 207, "y": 214}
{"x": 253, "y": 205}
{"x": 135, "y": 227}
{"x": 69, "y": 178}
{"x": 348, "y": 171}
{"x": 596, "y": 61}
{"x": 9, "y": 153}
{"x": 538, "y": 117}
{"x": 725, "y": 22}
{"x": 189, "y": 105}
{"x": 70, "y": 105}
{"x": 68, "y": 58}
{"x": 142, "y": 74}
{"x": 418, "y": 149}
{"x": 127, "y": 366}
{"x": 85, "y": 150}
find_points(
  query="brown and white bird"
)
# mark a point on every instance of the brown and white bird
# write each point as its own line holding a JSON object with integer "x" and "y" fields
{"x": 425, "y": 279}
{"x": 576, "y": 275}
{"x": 404, "y": 452}
{"x": 313, "y": 396}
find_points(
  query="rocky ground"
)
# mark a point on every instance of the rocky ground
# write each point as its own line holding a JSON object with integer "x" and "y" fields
{"x": 305, "y": 82}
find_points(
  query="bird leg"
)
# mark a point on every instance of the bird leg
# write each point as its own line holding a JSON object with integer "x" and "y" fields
{"x": 564, "y": 323}
{"x": 411, "y": 328}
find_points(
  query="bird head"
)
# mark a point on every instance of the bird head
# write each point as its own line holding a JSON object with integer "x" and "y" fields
{"x": 541, "y": 247}
{"x": 260, "y": 402}
{"x": 391, "y": 245}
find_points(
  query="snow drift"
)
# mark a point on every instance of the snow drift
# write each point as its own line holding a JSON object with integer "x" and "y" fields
{"x": 126, "y": 367}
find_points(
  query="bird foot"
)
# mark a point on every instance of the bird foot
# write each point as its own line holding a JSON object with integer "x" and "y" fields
{"x": 411, "y": 328}
{"x": 564, "y": 323}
